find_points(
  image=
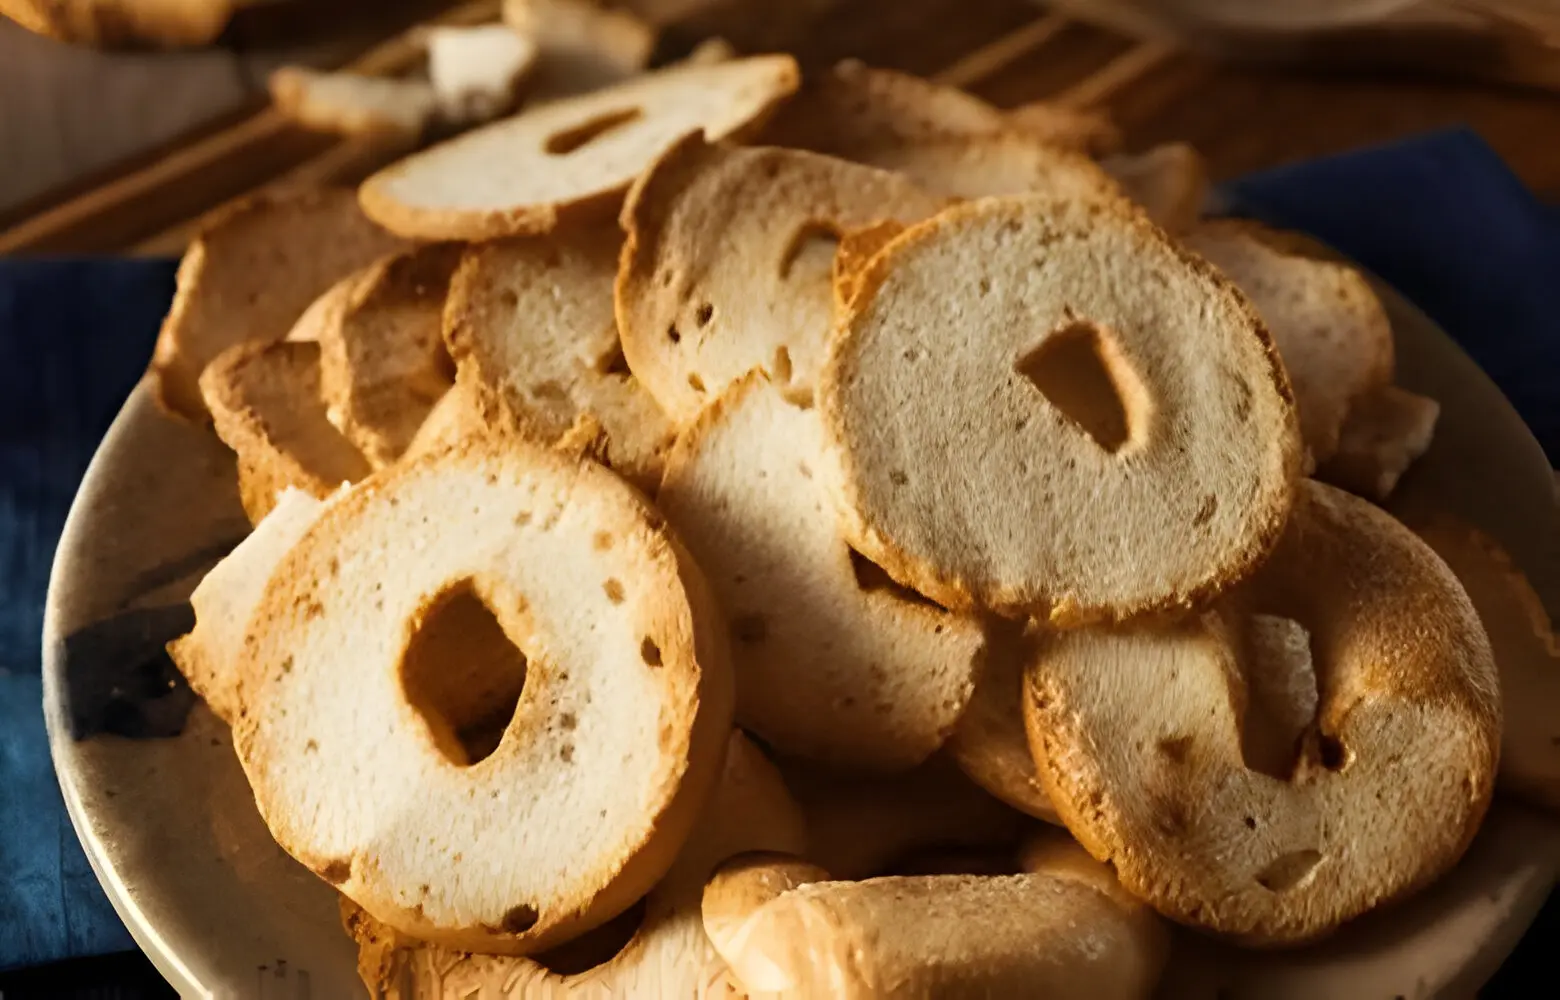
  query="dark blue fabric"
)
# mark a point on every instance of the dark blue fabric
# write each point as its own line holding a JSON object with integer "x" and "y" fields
{"x": 1439, "y": 217}
{"x": 74, "y": 337}
{"x": 1443, "y": 220}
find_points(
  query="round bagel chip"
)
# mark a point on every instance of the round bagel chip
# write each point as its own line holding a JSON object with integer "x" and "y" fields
{"x": 728, "y": 261}
{"x": 1045, "y": 408}
{"x": 520, "y": 174}
{"x": 428, "y": 723}
{"x": 1151, "y": 741}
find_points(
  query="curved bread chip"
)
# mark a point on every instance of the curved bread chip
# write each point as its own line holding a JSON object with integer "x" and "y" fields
{"x": 859, "y": 827}
{"x": 478, "y": 698}
{"x": 530, "y": 325}
{"x": 1139, "y": 736}
{"x": 1169, "y": 181}
{"x": 787, "y": 929}
{"x": 727, "y": 264}
{"x": 518, "y": 175}
{"x": 833, "y": 662}
{"x": 581, "y": 46}
{"x": 226, "y": 598}
{"x": 1046, "y": 408}
{"x": 1386, "y": 431}
{"x": 990, "y": 745}
{"x": 454, "y": 418}
{"x": 1000, "y": 163}
{"x": 667, "y": 956}
{"x": 351, "y": 104}
{"x": 1527, "y": 655}
{"x": 852, "y": 111}
{"x": 1330, "y": 328}
{"x": 476, "y": 71}
{"x": 250, "y": 274}
{"x": 383, "y": 363}
{"x": 1078, "y": 129}
{"x": 266, "y": 405}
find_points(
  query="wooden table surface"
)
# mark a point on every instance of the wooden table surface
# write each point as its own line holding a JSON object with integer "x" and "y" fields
{"x": 1242, "y": 118}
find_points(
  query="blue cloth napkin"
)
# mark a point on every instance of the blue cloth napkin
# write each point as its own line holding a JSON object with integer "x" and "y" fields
{"x": 1439, "y": 217}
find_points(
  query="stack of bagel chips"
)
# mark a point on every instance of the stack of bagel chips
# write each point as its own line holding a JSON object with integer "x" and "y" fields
{"x": 742, "y": 526}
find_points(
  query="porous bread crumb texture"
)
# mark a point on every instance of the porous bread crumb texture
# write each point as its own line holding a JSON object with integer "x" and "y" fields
{"x": 1045, "y": 408}
{"x": 519, "y": 175}
{"x": 530, "y": 325}
{"x": 1331, "y": 330}
{"x": 1380, "y": 795}
{"x": 386, "y": 801}
{"x": 665, "y": 952}
{"x": 727, "y": 264}
{"x": 250, "y": 273}
{"x": 833, "y": 661}
{"x": 266, "y": 403}
{"x": 352, "y": 104}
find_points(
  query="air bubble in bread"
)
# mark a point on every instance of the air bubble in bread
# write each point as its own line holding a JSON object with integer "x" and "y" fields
{"x": 1143, "y": 735}
{"x": 444, "y": 739}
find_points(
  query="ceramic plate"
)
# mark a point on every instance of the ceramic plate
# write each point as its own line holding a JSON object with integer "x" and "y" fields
{"x": 171, "y": 829}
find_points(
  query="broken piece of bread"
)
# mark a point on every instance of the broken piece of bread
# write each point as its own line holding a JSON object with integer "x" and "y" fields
{"x": 441, "y": 646}
{"x": 352, "y": 104}
{"x": 476, "y": 72}
{"x": 1387, "y": 430}
{"x": 382, "y": 361}
{"x": 1170, "y": 182}
{"x": 519, "y": 175}
{"x": 266, "y": 404}
{"x": 249, "y": 275}
{"x": 833, "y": 662}
{"x": 728, "y": 261}
{"x": 1016, "y": 408}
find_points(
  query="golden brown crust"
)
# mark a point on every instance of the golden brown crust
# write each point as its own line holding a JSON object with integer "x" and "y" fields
{"x": 1264, "y": 387}
{"x": 1388, "y": 784}
{"x": 335, "y": 587}
{"x": 112, "y": 23}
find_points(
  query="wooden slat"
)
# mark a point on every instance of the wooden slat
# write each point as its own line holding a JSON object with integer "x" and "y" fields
{"x": 191, "y": 180}
{"x": 998, "y": 55}
{"x": 1098, "y": 88}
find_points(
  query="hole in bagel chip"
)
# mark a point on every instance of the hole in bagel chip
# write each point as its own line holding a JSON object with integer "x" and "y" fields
{"x": 810, "y": 254}
{"x": 1281, "y": 694}
{"x": 462, "y": 674}
{"x": 579, "y": 136}
{"x": 1079, "y": 370}
{"x": 595, "y": 947}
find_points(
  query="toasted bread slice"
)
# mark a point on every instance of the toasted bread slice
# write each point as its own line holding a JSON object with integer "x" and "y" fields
{"x": 860, "y": 827}
{"x": 250, "y": 274}
{"x": 227, "y": 596}
{"x": 727, "y": 264}
{"x": 531, "y": 328}
{"x": 266, "y": 405}
{"x": 352, "y": 104}
{"x": 787, "y": 929}
{"x": 382, "y": 362}
{"x": 520, "y": 174}
{"x": 852, "y": 111}
{"x": 1080, "y": 129}
{"x": 1330, "y": 328}
{"x": 990, "y": 745}
{"x": 454, "y": 418}
{"x": 833, "y": 662}
{"x": 1381, "y": 795}
{"x": 110, "y": 23}
{"x": 668, "y": 955}
{"x": 1386, "y": 431}
{"x": 1527, "y": 655}
{"x": 1169, "y": 181}
{"x": 1047, "y": 409}
{"x": 477, "y": 71}
{"x": 480, "y": 704}
{"x": 581, "y": 46}
{"x": 994, "y": 164}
